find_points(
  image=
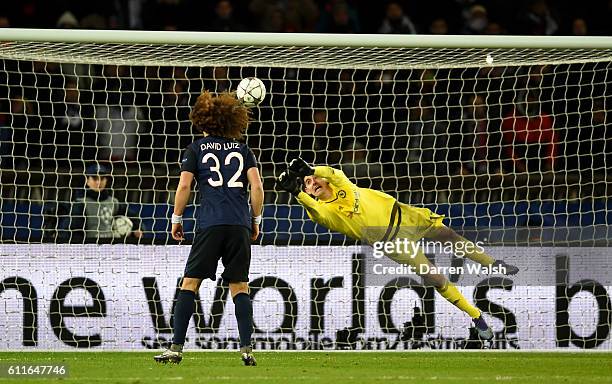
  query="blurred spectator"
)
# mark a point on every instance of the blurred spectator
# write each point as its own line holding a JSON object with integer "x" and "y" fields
{"x": 381, "y": 82}
{"x": 540, "y": 77}
{"x": 347, "y": 85}
{"x": 338, "y": 17}
{"x": 93, "y": 214}
{"x": 396, "y": 21}
{"x": 6, "y": 138}
{"x": 348, "y": 99}
{"x": 423, "y": 84}
{"x": 476, "y": 21}
{"x": 117, "y": 123}
{"x": 224, "y": 20}
{"x": 438, "y": 26}
{"x": 579, "y": 27}
{"x": 494, "y": 28}
{"x": 422, "y": 140}
{"x": 4, "y": 22}
{"x": 538, "y": 20}
{"x": 321, "y": 140}
{"x": 94, "y": 21}
{"x": 171, "y": 127}
{"x": 67, "y": 20}
{"x": 537, "y": 75}
{"x": 131, "y": 13}
{"x": 70, "y": 131}
{"x": 355, "y": 162}
{"x": 595, "y": 139}
{"x": 101, "y": 14}
{"x": 529, "y": 136}
{"x": 285, "y": 16}
{"x": 477, "y": 150}
{"x": 24, "y": 119}
{"x": 221, "y": 78}
{"x": 274, "y": 21}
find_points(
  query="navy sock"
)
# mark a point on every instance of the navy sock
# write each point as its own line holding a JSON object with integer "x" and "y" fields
{"x": 182, "y": 314}
{"x": 244, "y": 316}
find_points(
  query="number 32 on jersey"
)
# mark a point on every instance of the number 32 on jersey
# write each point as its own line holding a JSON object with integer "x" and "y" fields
{"x": 216, "y": 168}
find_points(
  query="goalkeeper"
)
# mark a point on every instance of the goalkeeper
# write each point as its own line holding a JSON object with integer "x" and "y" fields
{"x": 332, "y": 200}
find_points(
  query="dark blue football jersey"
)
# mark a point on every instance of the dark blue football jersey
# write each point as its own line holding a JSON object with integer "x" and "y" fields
{"x": 220, "y": 166}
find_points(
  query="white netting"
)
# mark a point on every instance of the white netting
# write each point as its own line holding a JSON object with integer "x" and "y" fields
{"x": 290, "y": 56}
{"x": 441, "y": 128}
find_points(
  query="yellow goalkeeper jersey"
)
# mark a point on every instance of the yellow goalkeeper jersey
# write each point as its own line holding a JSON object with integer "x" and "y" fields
{"x": 365, "y": 214}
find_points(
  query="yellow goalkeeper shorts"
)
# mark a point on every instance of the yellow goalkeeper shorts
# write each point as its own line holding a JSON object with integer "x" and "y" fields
{"x": 412, "y": 223}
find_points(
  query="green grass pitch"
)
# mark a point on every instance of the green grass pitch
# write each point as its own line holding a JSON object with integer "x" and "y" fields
{"x": 321, "y": 367}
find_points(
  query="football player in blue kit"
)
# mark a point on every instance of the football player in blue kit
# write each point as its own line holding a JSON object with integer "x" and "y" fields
{"x": 224, "y": 169}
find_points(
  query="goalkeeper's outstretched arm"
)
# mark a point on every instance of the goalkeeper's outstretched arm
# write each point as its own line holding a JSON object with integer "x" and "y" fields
{"x": 334, "y": 176}
{"x": 316, "y": 212}
{"x": 300, "y": 168}
{"x": 312, "y": 187}
{"x": 292, "y": 183}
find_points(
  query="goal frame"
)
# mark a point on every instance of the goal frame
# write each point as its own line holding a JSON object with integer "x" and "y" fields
{"x": 312, "y": 51}
{"x": 305, "y": 39}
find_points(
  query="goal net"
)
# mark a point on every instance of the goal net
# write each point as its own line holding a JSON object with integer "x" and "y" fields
{"x": 508, "y": 137}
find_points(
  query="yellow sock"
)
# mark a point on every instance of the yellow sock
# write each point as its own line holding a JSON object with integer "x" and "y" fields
{"x": 452, "y": 294}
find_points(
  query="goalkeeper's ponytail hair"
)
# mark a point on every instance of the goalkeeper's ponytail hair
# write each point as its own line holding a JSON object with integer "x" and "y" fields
{"x": 222, "y": 115}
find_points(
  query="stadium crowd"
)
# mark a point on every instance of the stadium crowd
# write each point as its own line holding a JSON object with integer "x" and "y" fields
{"x": 59, "y": 118}
{"x": 528, "y": 17}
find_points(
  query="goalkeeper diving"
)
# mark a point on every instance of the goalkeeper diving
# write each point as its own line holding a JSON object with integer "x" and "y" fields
{"x": 364, "y": 214}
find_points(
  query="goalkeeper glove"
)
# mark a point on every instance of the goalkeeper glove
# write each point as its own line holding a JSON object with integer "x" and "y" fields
{"x": 301, "y": 168}
{"x": 289, "y": 182}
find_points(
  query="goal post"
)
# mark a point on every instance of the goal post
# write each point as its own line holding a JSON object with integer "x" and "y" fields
{"x": 287, "y": 49}
{"x": 509, "y": 137}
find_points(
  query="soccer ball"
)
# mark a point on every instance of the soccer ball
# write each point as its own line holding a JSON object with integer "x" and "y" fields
{"x": 251, "y": 91}
{"x": 122, "y": 226}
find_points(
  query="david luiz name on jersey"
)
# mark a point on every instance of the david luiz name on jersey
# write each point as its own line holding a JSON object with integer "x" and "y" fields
{"x": 217, "y": 146}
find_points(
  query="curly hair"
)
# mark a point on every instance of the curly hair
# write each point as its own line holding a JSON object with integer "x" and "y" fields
{"x": 221, "y": 115}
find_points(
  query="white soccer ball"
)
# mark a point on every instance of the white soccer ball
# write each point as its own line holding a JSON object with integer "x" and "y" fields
{"x": 122, "y": 226}
{"x": 251, "y": 91}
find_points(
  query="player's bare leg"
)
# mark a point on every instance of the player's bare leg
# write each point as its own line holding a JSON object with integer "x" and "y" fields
{"x": 244, "y": 317}
{"x": 446, "y": 234}
{"x": 182, "y": 313}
